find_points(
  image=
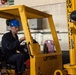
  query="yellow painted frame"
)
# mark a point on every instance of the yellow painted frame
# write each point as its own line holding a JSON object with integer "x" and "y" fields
{"x": 23, "y": 13}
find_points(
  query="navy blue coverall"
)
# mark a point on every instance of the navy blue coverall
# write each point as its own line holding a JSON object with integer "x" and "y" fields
{"x": 9, "y": 47}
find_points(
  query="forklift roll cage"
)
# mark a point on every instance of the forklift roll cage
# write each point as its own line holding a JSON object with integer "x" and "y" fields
{"x": 37, "y": 64}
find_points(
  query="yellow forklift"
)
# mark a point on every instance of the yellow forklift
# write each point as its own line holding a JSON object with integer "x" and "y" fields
{"x": 51, "y": 63}
{"x": 40, "y": 64}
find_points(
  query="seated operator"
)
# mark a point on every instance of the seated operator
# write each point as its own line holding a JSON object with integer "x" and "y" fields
{"x": 10, "y": 45}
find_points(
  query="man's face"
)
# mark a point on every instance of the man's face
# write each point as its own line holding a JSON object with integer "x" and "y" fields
{"x": 15, "y": 29}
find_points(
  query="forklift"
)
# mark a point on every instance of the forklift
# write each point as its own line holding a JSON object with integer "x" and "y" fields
{"x": 40, "y": 64}
{"x": 50, "y": 63}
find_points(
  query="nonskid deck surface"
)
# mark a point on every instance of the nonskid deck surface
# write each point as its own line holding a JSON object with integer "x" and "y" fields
{"x": 12, "y": 72}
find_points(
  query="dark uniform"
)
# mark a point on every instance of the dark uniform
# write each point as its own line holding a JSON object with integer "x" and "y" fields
{"x": 9, "y": 47}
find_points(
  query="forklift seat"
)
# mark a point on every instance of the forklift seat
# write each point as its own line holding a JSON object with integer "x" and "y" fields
{"x": 4, "y": 65}
{"x": 48, "y": 46}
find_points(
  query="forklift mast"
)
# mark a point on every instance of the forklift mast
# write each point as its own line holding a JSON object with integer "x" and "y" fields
{"x": 71, "y": 67}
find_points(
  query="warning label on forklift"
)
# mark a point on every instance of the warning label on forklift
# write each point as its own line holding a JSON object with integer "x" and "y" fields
{"x": 50, "y": 57}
